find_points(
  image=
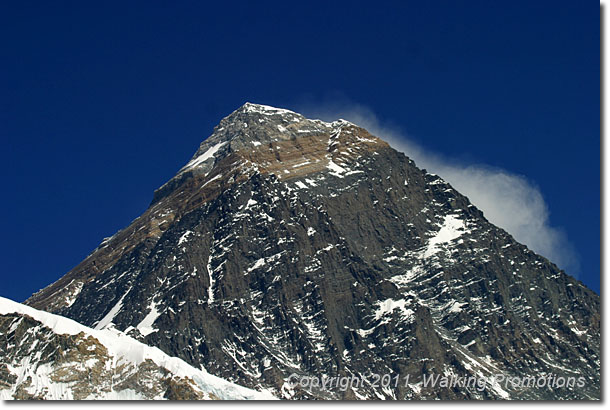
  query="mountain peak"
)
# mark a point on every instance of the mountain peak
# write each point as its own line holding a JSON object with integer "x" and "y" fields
{"x": 288, "y": 245}
{"x": 261, "y": 113}
{"x": 254, "y": 114}
{"x": 264, "y": 109}
{"x": 273, "y": 139}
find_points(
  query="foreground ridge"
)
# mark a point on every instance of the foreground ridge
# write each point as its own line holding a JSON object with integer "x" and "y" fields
{"x": 45, "y": 356}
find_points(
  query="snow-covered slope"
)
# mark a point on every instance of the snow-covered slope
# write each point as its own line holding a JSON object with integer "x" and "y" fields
{"x": 43, "y": 355}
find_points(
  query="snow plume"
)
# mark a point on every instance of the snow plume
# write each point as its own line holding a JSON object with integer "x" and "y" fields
{"x": 508, "y": 200}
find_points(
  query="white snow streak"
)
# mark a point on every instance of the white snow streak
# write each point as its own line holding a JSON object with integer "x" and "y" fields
{"x": 211, "y": 280}
{"x": 451, "y": 229}
{"x": 106, "y": 320}
{"x": 202, "y": 158}
{"x": 336, "y": 170}
{"x": 146, "y": 325}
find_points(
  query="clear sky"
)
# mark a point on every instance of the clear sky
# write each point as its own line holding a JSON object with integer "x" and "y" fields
{"x": 101, "y": 104}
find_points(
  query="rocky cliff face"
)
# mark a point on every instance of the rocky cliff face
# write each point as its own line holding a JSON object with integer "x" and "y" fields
{"x": 294, "y": 246}
{"x": 49, "y": 357}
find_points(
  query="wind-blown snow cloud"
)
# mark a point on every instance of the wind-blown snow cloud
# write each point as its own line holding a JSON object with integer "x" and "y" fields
{"x": 508, "y": 200}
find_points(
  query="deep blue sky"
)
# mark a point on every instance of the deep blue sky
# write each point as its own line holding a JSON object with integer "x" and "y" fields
{"x": 102, "y": 104}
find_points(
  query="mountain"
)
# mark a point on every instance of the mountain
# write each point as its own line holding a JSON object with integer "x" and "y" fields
{"x": 295, "y": 247}
{"x": 45, "y": 356}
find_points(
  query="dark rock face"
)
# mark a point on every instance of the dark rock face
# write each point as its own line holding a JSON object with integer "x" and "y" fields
{"x": 291, "y": 246}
